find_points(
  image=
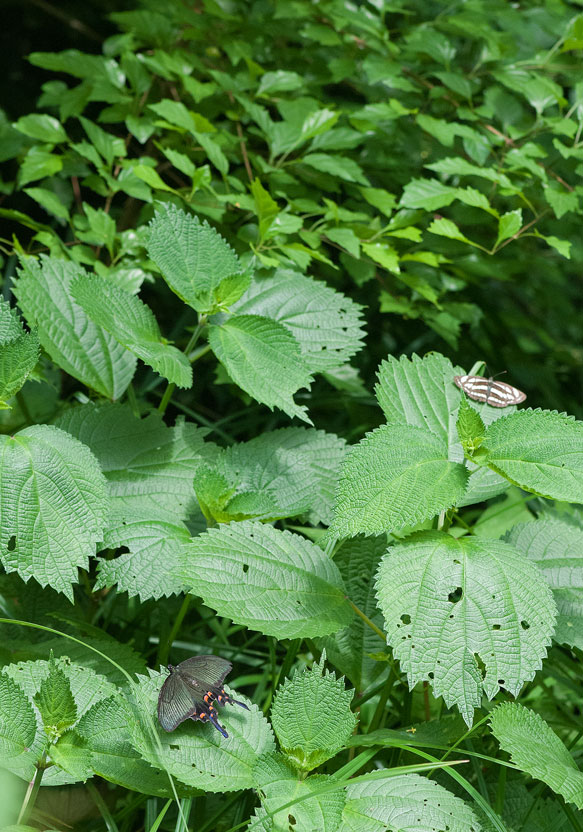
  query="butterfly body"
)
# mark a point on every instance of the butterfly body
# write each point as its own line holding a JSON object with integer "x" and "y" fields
{"x": 191, "y": 691}
{"x": 494, "y": 393}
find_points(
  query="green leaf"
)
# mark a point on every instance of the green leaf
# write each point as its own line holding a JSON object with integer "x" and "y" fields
{"x": 560, "y": 200}
{"x": 397, "y": 476}
{"x": 151, "y": 177}
{"x": 55, "y": 702}
{"x": 53, "y": 506}
{"x": 49, "y": 201}
{"x": 132, "y": 324}
{"x": 77, "y": 345}
{"x": 101, "y": 228}
{"x": 350, "y": 649}
{"x": 38, "y": 164}
{"x": 264, "y": 359}
{"x": 326, "y": 324}
{"x": 193, "y": 751}
{"x": 470, "y": 427}
{"x": 276, "y": 582}
{"x": 378, "y": 198}
{"x": 19, "y": 353}
{"x": 266, "y": 208}
{"x": 555, "y": 544}
{"x": 421, "y": 392}
{"x": 109, "y": 147}
{"x": 278, "y": 784}
{"x": 149, "y": 467}
{"x": 111, "y": 753}
{"x": 42, "y": 127}
{"x": 448, "y": 603}
{"x": 147, "y": 568}
{"x": 428, "y": 194}
{"x": 311, "y": 716}
{"x": 447, "y": 228}
{"x": 279, "y": 81}
{"x": 17, "y": 719}
{"x": 341, "y": 166}
{"x": 192, "y": 257}
{"x": 536, "y": 749}
{"x": 345, "y": 238}
{"x": 541, "y": 451}
{"x": 405, "y": 802}
{"x": 508, "y": 225}
{"x": 384, "y": 254}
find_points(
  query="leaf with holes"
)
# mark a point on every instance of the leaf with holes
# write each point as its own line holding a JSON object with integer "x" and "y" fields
{"x": 555, "y": 544}
{"x": 133, "y": 324}
{"x": 405, "y": 802}
{"x": 264, "y": 359}
{"x": 326, "y": 324}
{"x": 536, "y": 749}
{"x": 75, "y": 343}
{"x": 396, "y": 476}
{"x": 450, "y": 603}
{"x": 311, "y": 716}
{"x": 197, "y": 754}
{"x": 276, "y": 582}
{"x": 53, "y": 506}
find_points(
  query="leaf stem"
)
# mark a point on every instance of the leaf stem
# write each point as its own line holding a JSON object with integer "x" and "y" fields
{"x": 367, "y": 620}
{"x": 164, "y": 647}
{"x": 32, "y": 791}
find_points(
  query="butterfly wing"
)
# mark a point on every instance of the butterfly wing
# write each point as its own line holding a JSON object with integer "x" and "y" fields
{"x": 495, "y": 393}
{"x": 205, "y": 671}
{"x": 503, "y": 394}
{"x": 176, "y": 702}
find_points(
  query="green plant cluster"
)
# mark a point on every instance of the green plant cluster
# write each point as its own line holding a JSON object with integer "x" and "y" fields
{"x": 242, "y": 214}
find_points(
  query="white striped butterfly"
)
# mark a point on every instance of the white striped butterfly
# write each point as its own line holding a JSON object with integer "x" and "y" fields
{"x": 494, "y": 393}
{"x": 191, "y": 690}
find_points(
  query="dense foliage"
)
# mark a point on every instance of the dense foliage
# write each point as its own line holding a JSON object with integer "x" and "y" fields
{"x": 248, "y": 246}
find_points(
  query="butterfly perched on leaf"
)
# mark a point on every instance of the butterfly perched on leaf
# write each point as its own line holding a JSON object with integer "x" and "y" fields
{"x": 192, "y": 691}
{"x": 494, "y": 393}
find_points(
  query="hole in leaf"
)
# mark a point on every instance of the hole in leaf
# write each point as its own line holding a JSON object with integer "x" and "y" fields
{"x": 292, "y": 820}
{"x": 245, "y": 567}
{"x": 455, "y": 560}
{"x": 496, "y": 626}
{"x": 123, "y": 550}
{"x": 12, "y": 543}
{"x": 406, "y": 619}
{"x": 525, "y": 625}
{"x": 174, "y": 748}
{"x": 431, "y": 674}
{"x": 456, "y": 595}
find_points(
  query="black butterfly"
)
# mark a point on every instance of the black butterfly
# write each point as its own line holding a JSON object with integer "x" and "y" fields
{"x": 191, "y": 690}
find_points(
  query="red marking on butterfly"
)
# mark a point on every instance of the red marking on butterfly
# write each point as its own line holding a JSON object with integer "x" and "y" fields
{"x": 494, "y": 393}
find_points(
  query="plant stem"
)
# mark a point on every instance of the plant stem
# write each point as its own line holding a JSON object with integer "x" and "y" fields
{"x": 32, "y": 791}
{"x": 367, "y": 620}
{"x": 187, "y": 349}
{"x": 102, "y": 806}
{"x": 164, "y": 647}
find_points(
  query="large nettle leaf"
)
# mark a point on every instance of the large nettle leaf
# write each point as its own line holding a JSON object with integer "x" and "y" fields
{"x": 195, "y": 261}
{"x": 19, "y": 353}
{"x": 350, "y": 648}
{"x": 197, "y": 754}
{"x": 75, "y": 343}
{"x": 311, "y": 716}
{"x": 148, "y": 466}
{"x": 264, "y": 359}
{"x": 540, "y": 451}
{"x": 111, "y": 754}
{"x": 421, "y": 392}
{"x": 555, "y": 544}
{"x": 326, "y": 324}
{"x": 278, "y": 783}
{"x": 402, "y": 803}
{"x": 276, "y": 582}
{"x": 53, "y": 506}
{"x": 133, "y": 324}
{"x": 397, "y": 476}
{"x": 282, "y": 473}
{"x": 59, "y": 693}
{"x": 535, "y": 748}
{"x": 449, "y": 604}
